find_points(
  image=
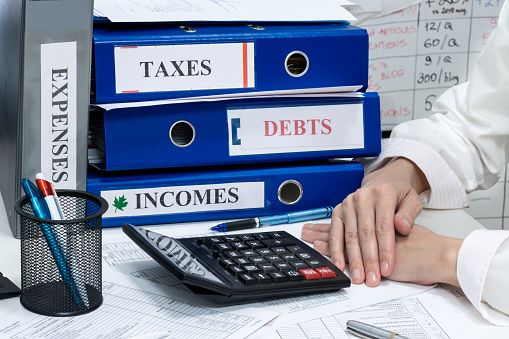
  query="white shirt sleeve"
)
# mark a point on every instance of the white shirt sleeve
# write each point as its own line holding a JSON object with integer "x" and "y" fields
{"x": 483, "y": 273}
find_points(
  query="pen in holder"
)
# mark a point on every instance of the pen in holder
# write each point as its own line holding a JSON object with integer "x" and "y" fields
{"x": 61, "y": 272}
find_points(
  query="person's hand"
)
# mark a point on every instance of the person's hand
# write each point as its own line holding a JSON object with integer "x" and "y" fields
{"x": 422, "y": 256}
{"x": 363, "y": 226}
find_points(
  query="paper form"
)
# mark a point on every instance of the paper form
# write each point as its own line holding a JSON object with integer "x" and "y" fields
{"x": 119, "y": 249}
{"x": 134, "y": 307}
{"x": 222, "y": 10}
{"x": 438, "y": 313}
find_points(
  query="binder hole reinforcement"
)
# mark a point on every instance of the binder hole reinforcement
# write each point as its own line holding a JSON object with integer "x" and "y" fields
{"x": 182, "y": 133}
{"x": 187, "y": 29}
{"x": 290, "y": 192}
{"x": 297, "y": 64}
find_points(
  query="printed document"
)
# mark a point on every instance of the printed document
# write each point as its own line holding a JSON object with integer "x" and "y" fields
{"x": 223, "y": 10}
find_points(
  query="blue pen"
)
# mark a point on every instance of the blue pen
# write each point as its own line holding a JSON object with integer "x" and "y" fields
{"x": 41, "y": 211}
{"x": 316, "y": 213}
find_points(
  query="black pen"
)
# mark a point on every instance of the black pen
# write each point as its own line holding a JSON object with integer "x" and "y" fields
{"x": 316, "y": 213}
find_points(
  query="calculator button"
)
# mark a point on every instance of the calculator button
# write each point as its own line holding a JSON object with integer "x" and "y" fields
{"x": 236, "y": 270}
{"x": 274, "y": 258}
{"x": 283, "y": 266}
{"x": 251, "y": 268}
{"x": 232, "y": 254}
{"x": 230, "y": 238}
{"x": 304, "y": 255}
{"x": 276, "y": 234}
{"x": 278, "y": 277}
{"x": 226, "y": 263}
{"x": 298, "y": 265}
{"x": 212, "y": 240}
{"x": 255, "y": 244}
{"x": 249, "y": 253}
{"x": 325, "y": 272}
{"x": 258, "y": 260}
{"x": 262, "y": 278}
{"x": 294, "y": 275}
{"x": 313, "y": 263}
{"x": 261, "y": 236}
{"x": 222, "y": 247}
{"x": 247, "y": 279}
{"x": 264, "y": 251}
{"x": 295, "y": 249}
{"x": 267, "y": 268}
{"x": 241, "y": 261}
{"x": 280, "y": 250}
{"x": 246, "y": 237}
{"x": 289, "y": 257}
{"x": 310, "y": 274}
{"x": 239, "y": 246}
{"x": 278, "y": 242}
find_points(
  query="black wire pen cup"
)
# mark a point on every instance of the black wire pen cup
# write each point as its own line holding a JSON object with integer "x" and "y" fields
{"x": 61, "y": 260}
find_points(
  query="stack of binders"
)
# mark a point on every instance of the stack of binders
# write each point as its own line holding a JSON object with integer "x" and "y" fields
{"x": 228, "y": 121}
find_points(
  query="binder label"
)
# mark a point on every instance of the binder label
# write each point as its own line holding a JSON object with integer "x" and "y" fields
{"x": 269, "y": 130}
{"x": 184, "y": 67}
{"x": 58, "y": 113}
{"x": 184, "y": 199}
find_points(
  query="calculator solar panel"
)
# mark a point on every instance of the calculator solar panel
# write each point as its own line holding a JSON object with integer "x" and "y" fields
{"x": 242, "y": 268}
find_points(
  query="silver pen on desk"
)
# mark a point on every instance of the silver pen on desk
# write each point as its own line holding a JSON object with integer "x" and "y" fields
{"x": 363, "y": 330}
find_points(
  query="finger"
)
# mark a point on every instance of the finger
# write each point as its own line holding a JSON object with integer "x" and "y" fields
{"x": 311, "y": 235}
{"x": 336, "y": 238}
{"x": 367, "y": 238}
{"x": 322, "y": 247}
{"x": 351, "y": 239}
{"x": 318, "y": 227}
{"x": 408, "y": 210}
{"x": 385, "y": 235}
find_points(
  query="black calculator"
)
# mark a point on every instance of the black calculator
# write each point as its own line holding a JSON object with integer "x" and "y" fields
{"x": 242, "y": 268}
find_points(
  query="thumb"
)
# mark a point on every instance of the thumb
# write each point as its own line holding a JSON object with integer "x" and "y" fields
{"x": 409, "y": 209}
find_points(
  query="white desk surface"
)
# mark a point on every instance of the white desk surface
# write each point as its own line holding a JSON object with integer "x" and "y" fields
{"x": 454, "y": 223}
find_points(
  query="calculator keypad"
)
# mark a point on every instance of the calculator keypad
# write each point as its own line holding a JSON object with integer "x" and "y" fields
{"x": 264, "y": 258}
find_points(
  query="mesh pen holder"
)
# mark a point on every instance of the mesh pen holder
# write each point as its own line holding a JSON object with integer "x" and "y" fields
{"x": 61, "y": 272}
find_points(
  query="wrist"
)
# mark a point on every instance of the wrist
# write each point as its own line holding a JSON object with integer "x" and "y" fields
{"x": 412, "y": 174}
{"x": 448, "y": 261}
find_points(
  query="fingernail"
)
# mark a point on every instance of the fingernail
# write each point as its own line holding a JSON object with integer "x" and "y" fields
{"x": 384, "y": 267}
{"x": 356, "y": 273}
{"x": 306, "y": 231}
{"x": 370, "y": 278}
{"x": 317, "y": 243}
{"x": 337, "y": 263}
{"x": 406, "y": 222}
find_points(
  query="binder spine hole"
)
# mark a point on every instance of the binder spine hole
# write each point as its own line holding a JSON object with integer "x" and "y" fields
{"x": 187, "y": 29}
{"x": 256, "y": 27}
{"x": 182, "y": 133}
{"x": 297, "y": 64}
{"x": 290, "y": 192}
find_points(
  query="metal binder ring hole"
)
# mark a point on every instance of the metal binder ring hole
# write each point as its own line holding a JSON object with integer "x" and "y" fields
{"x": 187, "y": 29}
{"x": 256, "y": 27}
{"x": 182, "y": 133}
{"x": 290, "y": 192}
{"x": 297, "y": 64}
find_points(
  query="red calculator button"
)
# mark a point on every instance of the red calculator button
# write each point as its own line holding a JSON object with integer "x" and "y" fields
{"x": 325, "y": 272}
{"x": 309, "y": 273}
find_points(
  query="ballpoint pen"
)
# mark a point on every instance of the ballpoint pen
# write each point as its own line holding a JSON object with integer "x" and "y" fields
{"x": 363, "y": 330}
{"x": 41, "y": 211}
{"x": 316, "y": 213}
{"x": 50, "y": 196}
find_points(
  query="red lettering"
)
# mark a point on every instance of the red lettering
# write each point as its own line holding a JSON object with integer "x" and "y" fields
{"x": 299, "y": 127}
{"x": 327, "y": 126}
{"x": 267, "y": 128}
{"x": 313, "y": 126}
{"x": 284, "y": 127}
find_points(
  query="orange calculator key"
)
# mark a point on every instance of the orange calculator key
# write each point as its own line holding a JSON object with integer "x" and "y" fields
{"x": 325, "y": 272}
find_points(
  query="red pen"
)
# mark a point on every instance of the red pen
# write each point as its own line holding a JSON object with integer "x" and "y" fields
{"x": 50, "y": 196}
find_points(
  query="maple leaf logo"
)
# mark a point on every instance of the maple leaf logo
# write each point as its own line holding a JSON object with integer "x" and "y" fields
{"x": 120, "y": 203}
